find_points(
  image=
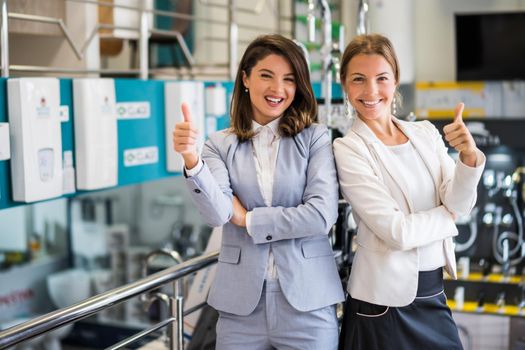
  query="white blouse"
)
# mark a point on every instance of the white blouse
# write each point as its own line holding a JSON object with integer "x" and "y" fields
{"x": 422, "y": 193}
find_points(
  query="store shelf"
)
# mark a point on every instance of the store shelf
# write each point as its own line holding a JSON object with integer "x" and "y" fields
{"x": 492, "y": 309}
{"x": 491, "y": 278}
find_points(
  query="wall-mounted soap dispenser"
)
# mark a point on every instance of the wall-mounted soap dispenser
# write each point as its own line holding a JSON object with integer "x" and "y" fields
{"x": 96, "y": 140}
{"x": 176, "y": 92}
{"x": 36, "y": 138}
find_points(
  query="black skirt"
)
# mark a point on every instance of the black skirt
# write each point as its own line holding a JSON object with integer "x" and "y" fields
{"x": 424, "y": 324}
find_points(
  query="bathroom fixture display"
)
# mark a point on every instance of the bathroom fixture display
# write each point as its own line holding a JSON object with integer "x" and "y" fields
{"x": 175, "y": 93}
{"x": 36, "y": 138}
{"x": 96, "y": 137}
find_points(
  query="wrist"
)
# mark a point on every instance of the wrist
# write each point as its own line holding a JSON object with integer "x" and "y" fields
{"x": 468, "y": 158}
{"x": 190, "y": 160}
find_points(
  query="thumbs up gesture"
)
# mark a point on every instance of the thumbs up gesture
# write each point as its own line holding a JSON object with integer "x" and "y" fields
{"x": 459, "y": 137}
{"x": 185, "y": 139}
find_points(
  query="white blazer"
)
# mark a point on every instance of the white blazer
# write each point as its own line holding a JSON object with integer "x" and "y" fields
{"x": 386, "y": 263}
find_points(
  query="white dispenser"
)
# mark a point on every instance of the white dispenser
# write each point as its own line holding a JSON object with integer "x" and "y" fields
{"x": 5, "y": 147}
{"x": 36, "y": 138}
{"x": 175, "y": 93}
{"x": 68, "y": 173}
{"x": 96, "y": 143}
{"x": 215, "y": 100}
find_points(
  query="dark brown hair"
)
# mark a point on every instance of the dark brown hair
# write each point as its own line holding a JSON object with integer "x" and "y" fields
{"x": 300, "y": 114}
{"x": 370, "y": 44}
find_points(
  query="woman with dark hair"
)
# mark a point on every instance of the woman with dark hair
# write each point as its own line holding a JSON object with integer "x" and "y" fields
{"x": 270, "y": 180}
{"x": 405, "y": 191}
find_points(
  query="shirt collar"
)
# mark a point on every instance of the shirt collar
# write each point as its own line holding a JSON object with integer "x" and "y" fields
{"x": 273, "y": 126}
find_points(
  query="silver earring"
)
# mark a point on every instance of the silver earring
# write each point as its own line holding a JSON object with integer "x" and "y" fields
{"x": 394, "y": 106}
{"x": 347, "y": 107}
{"x": 245, "y": 89}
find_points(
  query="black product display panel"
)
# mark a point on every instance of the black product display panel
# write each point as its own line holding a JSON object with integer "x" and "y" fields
{"x": 503, "y": 142}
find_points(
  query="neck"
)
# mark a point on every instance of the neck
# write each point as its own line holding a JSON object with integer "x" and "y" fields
{"x": 381, "y": 127}
{"x": 387, "y": 131}
{"x": 263, "y": 121}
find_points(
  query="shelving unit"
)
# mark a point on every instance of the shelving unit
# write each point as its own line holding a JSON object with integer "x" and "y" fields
{"x": 491, "y": 278}
{"x": 492, "y": 309}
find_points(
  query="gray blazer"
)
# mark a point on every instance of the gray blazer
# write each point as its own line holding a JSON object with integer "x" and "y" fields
{"x": 304, "y": 208}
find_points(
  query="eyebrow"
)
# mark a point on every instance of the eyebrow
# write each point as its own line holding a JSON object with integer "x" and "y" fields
{"x": 269, "y": 71}
{"x": 357, "y": 73}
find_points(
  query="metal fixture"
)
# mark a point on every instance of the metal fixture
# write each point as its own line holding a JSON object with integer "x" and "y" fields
{"x": 174, "y": 303}
{"x": 4, "y": 39}
{"x": 172, "y": 254}
{"x": 91, "y": 306}
{"x": 304, "y": 50}
{"x": 502, "y": 251}
{"x": 362, "y": 17}
{"x": 327, "y": 59}
{"x": 143, "y": 34}
{"x": 233, "y": 37}
{"x": 311, "y": 21}
{"x": 472, "y": 222}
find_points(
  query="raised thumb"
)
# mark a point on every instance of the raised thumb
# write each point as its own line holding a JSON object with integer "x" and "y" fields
{"x": 186, "y": 112}
{"x": 458, "y": 112}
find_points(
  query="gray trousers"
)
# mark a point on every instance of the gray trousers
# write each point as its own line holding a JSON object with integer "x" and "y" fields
{"x": 275, "y": 324}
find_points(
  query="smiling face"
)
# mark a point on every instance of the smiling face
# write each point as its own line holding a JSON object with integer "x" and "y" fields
{"x": 370, "y": 84}
{"x": 271, "y": 85}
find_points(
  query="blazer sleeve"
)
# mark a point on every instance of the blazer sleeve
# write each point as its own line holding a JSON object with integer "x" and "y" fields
{"x": 371, "y": 200}
{"x": 318, "y": 211}
{"x": 210, "y": 188}
{"x": 458, "y": 189}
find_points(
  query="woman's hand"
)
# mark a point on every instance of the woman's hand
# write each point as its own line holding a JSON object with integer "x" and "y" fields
{"x": 459, "y": 137}
{"x": 185, "y": 139}
{"x": 239, "y": 213}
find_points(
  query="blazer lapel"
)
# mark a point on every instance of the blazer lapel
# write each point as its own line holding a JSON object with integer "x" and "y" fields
{"x": 389, "y": 161}
{"x": 279, "y": 183}
{"x": 244, "y": 164}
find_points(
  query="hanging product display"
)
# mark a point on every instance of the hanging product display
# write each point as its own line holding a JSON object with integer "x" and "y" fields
{"x": 36, "y": 138}
{"x": 96, "y": 138}
{"x": 175, "y": 93}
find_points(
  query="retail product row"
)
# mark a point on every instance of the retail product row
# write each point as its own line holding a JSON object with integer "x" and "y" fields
{"x": 66, "y": 136}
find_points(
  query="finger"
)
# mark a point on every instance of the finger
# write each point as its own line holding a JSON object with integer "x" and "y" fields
{"x": 454, "y": 143}
{"x": 184, "y": 149}
{"x": 462, "y": 147}
{"x": 184, "y": 141}
{"x": 186, "y": 112}
{"x": 458, "y": 112}
{"x": 454, "y": 134}
{"x": 451, "y": 127}
{"x": 185, "y": 126}
{"x": 184, "y": 133}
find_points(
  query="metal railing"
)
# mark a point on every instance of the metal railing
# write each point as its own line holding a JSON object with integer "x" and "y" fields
{"x": 93, "y": 305}
{"x": 144, "y": 30}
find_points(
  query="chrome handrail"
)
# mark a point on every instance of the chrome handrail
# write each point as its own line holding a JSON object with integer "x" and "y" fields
{"x": 91, "y": 306}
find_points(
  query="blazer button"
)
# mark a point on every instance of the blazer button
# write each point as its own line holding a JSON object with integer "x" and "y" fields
{"x": 269, "y": 238}
{"x": 197, "y": 190}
